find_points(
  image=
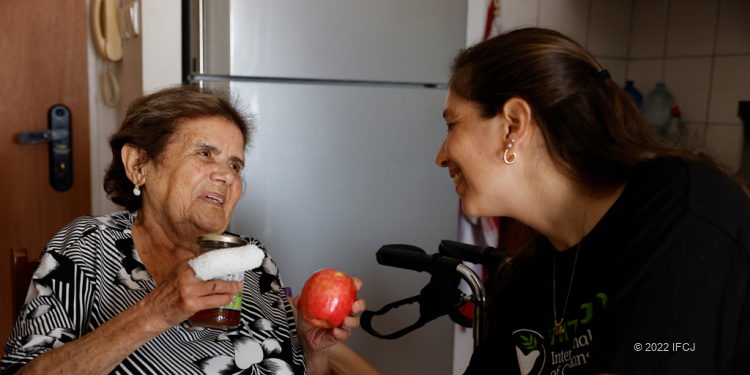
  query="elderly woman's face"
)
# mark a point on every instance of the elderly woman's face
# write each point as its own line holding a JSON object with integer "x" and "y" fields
{"x": 196, "y": 184}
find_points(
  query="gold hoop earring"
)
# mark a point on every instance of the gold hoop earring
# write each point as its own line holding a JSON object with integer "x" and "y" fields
{"x": 505, "y": 155}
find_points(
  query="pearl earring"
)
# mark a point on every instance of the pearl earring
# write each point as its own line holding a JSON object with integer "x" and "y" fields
{"x": 513, "y": 155}
{"x": 137, "y": 191}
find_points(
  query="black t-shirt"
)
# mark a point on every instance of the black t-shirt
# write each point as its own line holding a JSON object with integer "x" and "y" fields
{"x": 661, "y": 286}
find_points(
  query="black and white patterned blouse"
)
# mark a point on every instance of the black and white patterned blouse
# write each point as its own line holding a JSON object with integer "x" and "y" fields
{"x": 90, "y": 272}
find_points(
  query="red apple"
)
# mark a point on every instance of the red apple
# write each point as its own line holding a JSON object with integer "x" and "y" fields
{"x": 327, "y": 298}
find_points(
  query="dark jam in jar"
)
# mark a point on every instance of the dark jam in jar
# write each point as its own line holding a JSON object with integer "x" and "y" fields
{"x": 216, "y": 318}
{"x": 228, "y": 316}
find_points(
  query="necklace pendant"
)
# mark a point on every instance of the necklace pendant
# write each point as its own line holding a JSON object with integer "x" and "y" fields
{"x": 559, "y": 330}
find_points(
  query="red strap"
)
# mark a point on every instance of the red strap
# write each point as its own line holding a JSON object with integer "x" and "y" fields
{"x": 490, "y": 17}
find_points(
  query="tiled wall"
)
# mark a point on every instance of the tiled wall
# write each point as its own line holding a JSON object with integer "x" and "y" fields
{"x": 699, "y": 48}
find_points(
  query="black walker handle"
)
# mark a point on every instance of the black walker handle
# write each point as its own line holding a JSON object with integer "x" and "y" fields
{"x": 441, "y": 296}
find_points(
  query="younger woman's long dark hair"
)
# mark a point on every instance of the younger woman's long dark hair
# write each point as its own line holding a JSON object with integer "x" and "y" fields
{"x": 592, "y": 130}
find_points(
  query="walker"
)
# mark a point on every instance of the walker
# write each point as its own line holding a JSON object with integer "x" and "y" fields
{"x": 441, "y": 295}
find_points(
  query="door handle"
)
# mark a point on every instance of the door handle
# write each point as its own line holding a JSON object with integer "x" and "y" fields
{"x": 42, "y": 136}
{"x": 59, "y": 138}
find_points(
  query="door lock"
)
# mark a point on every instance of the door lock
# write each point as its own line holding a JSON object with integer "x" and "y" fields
{"x": 60, "y": 142}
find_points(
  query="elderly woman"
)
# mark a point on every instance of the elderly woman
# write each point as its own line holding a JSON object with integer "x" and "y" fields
{"x": 113, "y": 294}
{"x": 641, "y": 259}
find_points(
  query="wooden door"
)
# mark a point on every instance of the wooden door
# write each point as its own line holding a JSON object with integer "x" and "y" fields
{"x": 43, "y": 62}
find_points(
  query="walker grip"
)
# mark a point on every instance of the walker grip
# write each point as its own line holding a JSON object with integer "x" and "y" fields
{"x": 404, "y": 256}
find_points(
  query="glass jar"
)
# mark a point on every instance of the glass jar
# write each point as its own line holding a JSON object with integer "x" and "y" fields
{"x": 228, "y": 316}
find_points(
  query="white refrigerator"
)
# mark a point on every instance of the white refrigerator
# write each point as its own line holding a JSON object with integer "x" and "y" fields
{"x": 348, "y": 98}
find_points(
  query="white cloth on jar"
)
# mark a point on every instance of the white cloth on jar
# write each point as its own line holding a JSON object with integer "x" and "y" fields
{"x": 215, "y": 263}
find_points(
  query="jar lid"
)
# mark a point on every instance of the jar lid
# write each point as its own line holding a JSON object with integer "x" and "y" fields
{"x": 222, "y": 238}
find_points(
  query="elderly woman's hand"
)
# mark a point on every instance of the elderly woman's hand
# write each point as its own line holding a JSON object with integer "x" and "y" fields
{"x": 181, "y": 294}
{"x": 316, "y": 340}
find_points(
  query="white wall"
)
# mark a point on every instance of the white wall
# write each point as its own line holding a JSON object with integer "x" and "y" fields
{"x": 102, "y": 123}
{"x": 151, "y": 60}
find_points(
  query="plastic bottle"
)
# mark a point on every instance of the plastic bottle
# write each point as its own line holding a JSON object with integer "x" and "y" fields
{"x": 656, "y": 108}
{"x": 633, "y": 93}
{"x": 675, "y": 131}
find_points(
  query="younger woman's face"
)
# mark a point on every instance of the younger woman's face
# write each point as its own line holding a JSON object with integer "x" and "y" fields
{"x": 473, "y": 153}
